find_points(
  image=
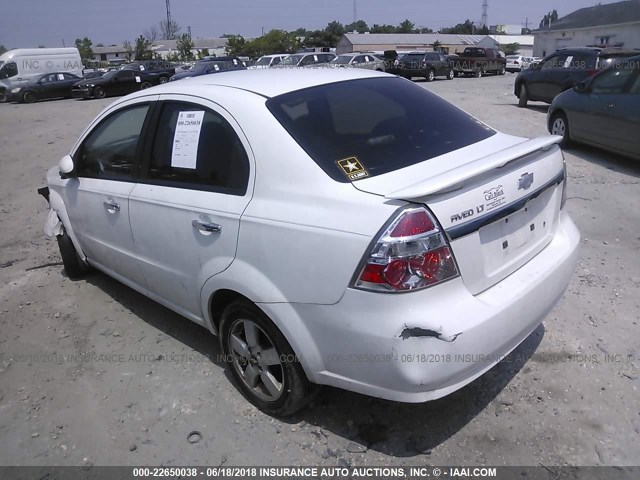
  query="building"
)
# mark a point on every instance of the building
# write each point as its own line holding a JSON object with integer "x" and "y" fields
{"x": 525, "y": 42}
{"x": 505, "y": 29}
{"x": 379, "y": 42}
{"x": 609, "y": 25}
{"x": 215, "y": 46}
{"x": 112, "y": 54}
{"x": 163, "y": 48}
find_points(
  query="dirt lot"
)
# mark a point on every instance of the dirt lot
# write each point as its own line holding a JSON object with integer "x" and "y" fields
{"x": 147, "y": 378}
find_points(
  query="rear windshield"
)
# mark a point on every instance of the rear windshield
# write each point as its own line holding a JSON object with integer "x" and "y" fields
{"x": 385, "y": 123}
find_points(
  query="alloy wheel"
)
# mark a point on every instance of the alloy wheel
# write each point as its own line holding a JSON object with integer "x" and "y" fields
{"x": 256, "y": 360}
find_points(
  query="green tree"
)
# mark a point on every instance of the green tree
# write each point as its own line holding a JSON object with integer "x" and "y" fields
{"x": 436, "y": 46}
{"x": 142, "y": 49}
{"x": 383, "y": 28}
{"x": 236, "y": 45}
{"x": 185, "y": 47}
{"x": 406, "y": 26}
{"x": 549, "y": 17}
{"x": 128, "y": 48}
{"x": 203, "y": 53}
{"x": 2, "y": 49}
{"x": 466, "y": 28}
{"x": 84, "y": 47}
{"x": 510, "y": 48}
{"x": 360, "y": 26}
{"x": 335, "y": 28}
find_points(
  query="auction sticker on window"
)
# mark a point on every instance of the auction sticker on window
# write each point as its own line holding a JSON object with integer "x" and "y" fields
{"x": 352, "y": 168}
{"x": 185, "y": 140}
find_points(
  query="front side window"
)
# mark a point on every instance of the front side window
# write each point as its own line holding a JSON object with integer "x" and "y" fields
{"x": 110, "y": 150}
{"x": 386, "y": 123}
{"x": 8, "y": 70}
{"x": 194, "y": 146}
{"x": 612, "y": 81}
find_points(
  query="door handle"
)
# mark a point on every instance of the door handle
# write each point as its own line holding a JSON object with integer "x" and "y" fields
{"x": 611, "y": 105}
{"x": 206, "y": 226}
{"x": 111, "y": 205}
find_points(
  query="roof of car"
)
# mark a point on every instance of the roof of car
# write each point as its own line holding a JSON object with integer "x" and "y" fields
{"x": 267, "y": 82}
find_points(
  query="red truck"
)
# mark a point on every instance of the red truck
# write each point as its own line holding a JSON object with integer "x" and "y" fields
{"x": 477, "y": 61}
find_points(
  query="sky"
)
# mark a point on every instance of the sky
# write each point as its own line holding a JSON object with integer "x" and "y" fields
{"x": 32, "y": 23}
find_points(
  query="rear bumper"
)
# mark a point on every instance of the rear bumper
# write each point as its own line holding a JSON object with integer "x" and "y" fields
{"x": 424, "y": 345}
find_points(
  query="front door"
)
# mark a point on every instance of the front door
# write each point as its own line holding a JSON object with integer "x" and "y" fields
{"x": 185, "y": 212}
{"x": 97, "y": 197}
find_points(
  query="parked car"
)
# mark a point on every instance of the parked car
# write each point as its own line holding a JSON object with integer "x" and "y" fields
{"x": 517, "y": 63}
{"x": 428, "y": 65}
{"x": 477, "y": 61}
{"x": 20, "y": 65}
{"x": 94, "y": 74}
{"x": 267, "y": 61}
{"x": 307, "y": 59}
{"x": 42, "y": 87}
{"x": 603, "y": 111}
{"x": 348, "y": 214}
{"x": 162, "y": 69}
{"x": 561, "y": 70}
{"x": 368, "y": 61}
{"x": 205, "y": 67}
{"x": 115, "y": 82}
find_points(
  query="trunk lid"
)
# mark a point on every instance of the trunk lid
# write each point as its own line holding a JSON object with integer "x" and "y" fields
{"x": 497, "y": 200}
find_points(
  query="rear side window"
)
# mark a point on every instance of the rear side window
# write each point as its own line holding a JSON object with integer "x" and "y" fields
{"x": 385, "y": 123}
{"x": 196, "y": 147}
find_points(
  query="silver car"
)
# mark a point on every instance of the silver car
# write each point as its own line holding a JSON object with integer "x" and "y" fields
{"x": 358, "y": 60}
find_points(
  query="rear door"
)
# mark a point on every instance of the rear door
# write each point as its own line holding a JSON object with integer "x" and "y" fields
{"x": 610, "y": 113}
{"x": 186, "y": 209}
{"x": 97, "y": 198}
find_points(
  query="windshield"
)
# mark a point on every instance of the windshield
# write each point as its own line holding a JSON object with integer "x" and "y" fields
{"x": 291, "y": 60}
{"x": 264, "y": 61}
{"x": 342, "y": 60}
{"x": 385, "y": 123}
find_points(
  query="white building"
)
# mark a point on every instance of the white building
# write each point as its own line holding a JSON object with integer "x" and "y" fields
{"x": 525, "y": 42}
{"x": 215, "y": 46}
{"x": 379, "y": 42}
{"x": 609, "y": 25}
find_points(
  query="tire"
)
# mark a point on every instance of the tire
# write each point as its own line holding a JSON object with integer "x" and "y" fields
{"x": 279, "y": 387}
{"x": 163, "y": 80}
{"x": 502, "y": 70}
{"x": 145, "y": 85}
{"x": 524, "y": 96}
{"x": 559, "y": 125}
{"x": 99, "y": 92}
{"x": 478, "y": 73}
{"x": 29, "y": 97}
{"x": 451, "y": 74}
{"x": 431, "y": 75}
{"x": 3, "y": 96}
{"x": 74, "y": 266}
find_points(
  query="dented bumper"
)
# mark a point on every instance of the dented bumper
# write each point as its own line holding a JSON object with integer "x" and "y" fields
{"x": 421, "y": 346}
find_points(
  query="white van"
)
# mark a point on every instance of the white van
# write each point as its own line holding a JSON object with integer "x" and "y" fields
{"x": 20, "y": 65}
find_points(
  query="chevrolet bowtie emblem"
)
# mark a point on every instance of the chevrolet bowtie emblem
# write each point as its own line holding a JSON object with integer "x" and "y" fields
{"x": 525, "y": 181}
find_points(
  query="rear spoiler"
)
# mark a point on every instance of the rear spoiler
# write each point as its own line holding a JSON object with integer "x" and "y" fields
{"x": 454, "y": 179}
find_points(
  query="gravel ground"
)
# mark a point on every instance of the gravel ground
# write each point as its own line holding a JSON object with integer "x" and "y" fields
{"x": 567, "y": 396}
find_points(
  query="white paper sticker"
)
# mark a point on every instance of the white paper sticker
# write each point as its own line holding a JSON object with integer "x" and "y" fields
{"x": 567, "y": 62}
{"x": 60, "y": 76}
{"x": 185, "y": 141}
{"x": 216, "y": 67}
{"x": 142, "y": 68}
{"x": 137, "y": 79}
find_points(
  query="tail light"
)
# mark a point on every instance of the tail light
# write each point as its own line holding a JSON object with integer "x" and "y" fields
{"x": 412, "y": 253}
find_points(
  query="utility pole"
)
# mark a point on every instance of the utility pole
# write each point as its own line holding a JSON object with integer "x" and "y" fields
{"x": 189, "y": 31}
{"x": 355, "y": 11}
{"x": 485, "y": 7}
{"x": 169, "y": 32}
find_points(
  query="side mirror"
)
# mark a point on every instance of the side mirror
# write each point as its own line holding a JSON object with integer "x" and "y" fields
{"x": 66, "y": 166}
{"x": 580, "y": 87}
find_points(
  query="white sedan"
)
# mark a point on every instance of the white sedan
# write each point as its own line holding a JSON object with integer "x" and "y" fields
{"x": 339, "y": 227}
